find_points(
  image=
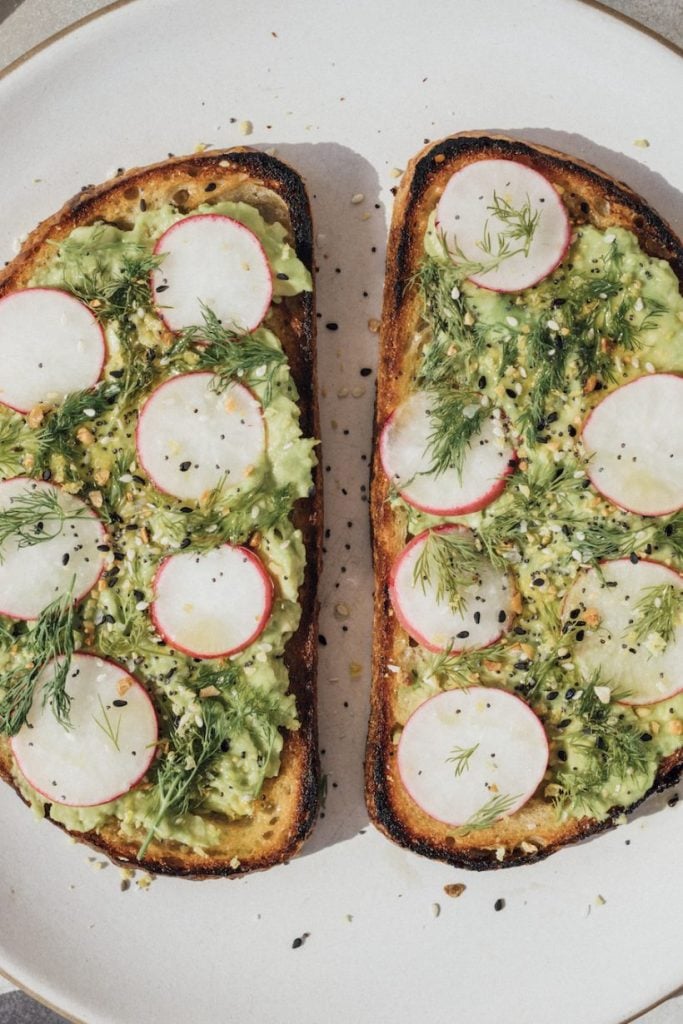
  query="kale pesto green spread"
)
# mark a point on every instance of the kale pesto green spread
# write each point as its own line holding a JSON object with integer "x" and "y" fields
{"x": 220, "y": 721}
{"x": 542, "y": 359}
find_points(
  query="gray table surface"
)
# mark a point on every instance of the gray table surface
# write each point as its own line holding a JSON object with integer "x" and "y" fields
{"x": 24, "y": 24}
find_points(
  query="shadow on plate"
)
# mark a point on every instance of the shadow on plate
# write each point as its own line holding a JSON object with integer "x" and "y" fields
{"x": 350, "y": 237}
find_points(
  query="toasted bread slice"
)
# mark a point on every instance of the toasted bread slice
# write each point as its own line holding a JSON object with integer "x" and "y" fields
{"x": 284, "y": 812}
{"x": 591, "y": 198}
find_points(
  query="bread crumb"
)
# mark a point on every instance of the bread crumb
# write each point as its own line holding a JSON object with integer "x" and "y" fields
{"x": 600, "y": 901}
{"x": 245, "y": 127}
{"x": 642, "y": 143}
{"x": 373, "y": 325}
{"x": 355, "y": 669}
{"x": 145, "y": 882}
{"x": 395, "y": 172}
{"x": 235, "y": 863}
{"x": 454, "y": 889}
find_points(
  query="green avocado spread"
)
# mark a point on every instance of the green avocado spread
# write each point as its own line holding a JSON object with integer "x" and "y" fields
{"x": 544, "y": 358}
{"x": 221, "y": 721}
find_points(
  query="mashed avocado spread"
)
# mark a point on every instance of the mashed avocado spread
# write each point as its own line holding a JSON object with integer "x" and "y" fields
{"x": 221, "y": 756}
{"x": 544, "y": 358}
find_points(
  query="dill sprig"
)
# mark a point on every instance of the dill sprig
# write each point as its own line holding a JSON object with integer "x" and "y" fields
{"x": 488, "y": 814}
{"x": 185, "y": 768}
{"x": 670, "y": 534}
{"x": 52, "y": 638}
{"x": 115, "y": 294}
{"x": 449, "y": 563}
{"x": 460, "y": 757}
{"x": 57, "y": 436}
{"x": 232, "y": 356}
{"x": 456, "y": 417}
{"x": 496, "y": 244}
{"x": 110, "y": 729}
{"x": 15, "y": 440}
{"x": 463, "y": 669}
{"x": 658, "y": 611}
{"x": 610, "y": 748}
{"x": 34, "y": 517}
{"x": 224, "y": 516}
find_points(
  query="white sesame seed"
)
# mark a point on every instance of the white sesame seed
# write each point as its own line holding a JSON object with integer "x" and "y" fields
{"x": 357, "y": 198}
{"x": 511, "y": 321}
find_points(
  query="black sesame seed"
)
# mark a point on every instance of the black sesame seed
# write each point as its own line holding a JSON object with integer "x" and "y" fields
{"x": 211, "y": 187}
{"x": 185, "y": 542}
{"x": 65, "y": 558}
{"x": 281, "y": 276}
{"x": 463, "y": 634}
{"x": 332, "y": 326}
{"x": 562, "y": 755}
{"x": 365, "y": 371}
{"x": 120, "y": 703}
{"x": 499, "y": 904}
{"x": 633, "y": 557}
{"x": 502, "y": 615}
{"x": 322, "y": 640}
{"x": 184, "y": 466}
{"x": 552, "y": 695}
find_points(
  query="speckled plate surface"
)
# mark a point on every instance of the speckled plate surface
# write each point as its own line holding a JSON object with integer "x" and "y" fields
{"x": 346, "y": 93}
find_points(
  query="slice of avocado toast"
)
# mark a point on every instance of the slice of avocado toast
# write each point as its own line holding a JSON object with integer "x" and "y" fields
{"x": 526, "y": 506}
{"x": 162, "y": 516}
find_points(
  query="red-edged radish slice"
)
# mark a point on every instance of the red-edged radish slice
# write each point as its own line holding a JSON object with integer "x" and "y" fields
{"x": 214, "y": 261}
{"x": 214, "y": 604}
{"x": 634, "y": 438}
{"x": 32, "y": 576}
{"x": 466, "y": 217}
{"x": 641, "y": 670}
{"x": 488, "y": 602}
{"x": 189, "y": 437}
{"x": 404, "y": 445}
{"x": 50, "y": 345}
{"x": 463, "y": 748}
{"x": 109, "y": 746}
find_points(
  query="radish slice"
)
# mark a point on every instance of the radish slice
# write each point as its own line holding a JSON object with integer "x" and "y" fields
{"x": 403, "y": 447}
{"x": 189, "y": 437}
{"x": 109, "y": 746}
{"x": 487, "y": 613}
{"x": 32, "y": 576}
{"x": 608, "y": 598}
{"x": 465, "y": 217}
{"x": 464, "y": 748}
{"x": 214, "y": 261}
{"x": 635, "y": 440}
{"x": 213, "y": 604}
{"x": 50, "y": 345}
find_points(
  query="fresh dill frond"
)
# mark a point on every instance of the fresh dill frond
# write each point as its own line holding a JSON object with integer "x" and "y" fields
{"x": 231, "y": 356}
{"x": 184, "y": 769}
{"x": 110, "y": 729}
{"x": 460, "y": 757}
{"x": 671, "y": 534}
{"x": 15, "y": 440}
{"x": 51, "y": 638}
{"x": 488, "y": 814}
{"x": 181, "y": 770}
{"x": 224, "y": 516}
{"x": 456, "y": 417}
{"x": 463, "y": 669}
{"x": 58, "y": 432}
{"x": 609, "y": 747}
{"x": 520, "y": 225}
{"x": 448, "y": 563}
{"x": 114, "y": 293}
{"x": 34, "y": 517}
{"x": 658, "y": 611}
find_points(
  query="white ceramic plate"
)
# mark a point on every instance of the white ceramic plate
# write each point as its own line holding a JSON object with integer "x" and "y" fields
{"x": 346, "y": 92}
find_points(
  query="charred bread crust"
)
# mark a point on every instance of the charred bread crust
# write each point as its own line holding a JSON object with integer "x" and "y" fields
{"x": 286, "y": 812}
{"x": 592, "y": 197}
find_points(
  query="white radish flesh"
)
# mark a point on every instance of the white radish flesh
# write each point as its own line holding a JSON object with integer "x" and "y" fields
{"x": 33, "y": 576}
{"x": 606, "y": 601}
{"x": 464, "y": 748}
{"x": 404, "y": 450}
{"x": 634, "y": 439}
{"x": 191, "y": 437}
{"x": 216, "y": 262}
{"x": 470, "y": 226}
{"x": 214, "y": 604}
{"x": 434, "y": 624}
{"x": 109, "y": 745}
{"x": 50, "y": 346}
